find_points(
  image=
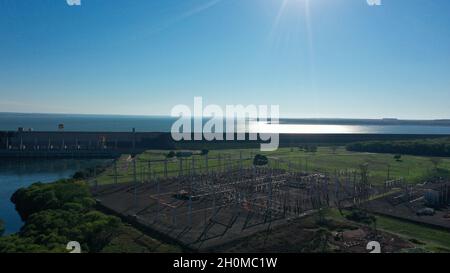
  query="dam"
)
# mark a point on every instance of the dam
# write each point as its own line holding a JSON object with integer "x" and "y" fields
{"x": 60, "y": 144}
{"x": 102, "y": 144}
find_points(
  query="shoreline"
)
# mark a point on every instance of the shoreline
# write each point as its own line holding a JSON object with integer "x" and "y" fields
{"x": 25, "y": 180}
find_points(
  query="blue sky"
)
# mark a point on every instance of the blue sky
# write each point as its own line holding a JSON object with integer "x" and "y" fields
{"x": 316, "y": 58}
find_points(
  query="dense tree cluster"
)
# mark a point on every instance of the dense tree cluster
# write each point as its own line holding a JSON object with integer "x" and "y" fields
{"x": 424, "y": 147}
{"x": 55, "y": 214}
{"x": 64, "y": 194}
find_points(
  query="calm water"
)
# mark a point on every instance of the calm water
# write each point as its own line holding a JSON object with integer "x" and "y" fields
{"x": 16, "y": 174}
{"x": 349, "y": 129}
{"x": 114, "y": 123}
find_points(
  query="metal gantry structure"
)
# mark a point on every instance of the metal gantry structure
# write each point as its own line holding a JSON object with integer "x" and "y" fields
{"x": 226, "y": 190}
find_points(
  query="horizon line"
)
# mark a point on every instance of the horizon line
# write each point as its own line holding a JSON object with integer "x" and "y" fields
{"x": 284, "y": 118}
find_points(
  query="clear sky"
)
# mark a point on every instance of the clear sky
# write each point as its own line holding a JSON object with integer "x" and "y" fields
{"x": 316, "y": 58}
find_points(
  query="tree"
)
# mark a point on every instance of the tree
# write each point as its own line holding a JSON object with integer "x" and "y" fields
{"x": 50, "y": 230}
{"x": 319, "y": 243}
{"x": 439, "y": 147}
{"x": 16, "y": 244}
{"x": 334, "y": 149}
{"x": 260, "y": 160}
{"x": 312, "y": 148}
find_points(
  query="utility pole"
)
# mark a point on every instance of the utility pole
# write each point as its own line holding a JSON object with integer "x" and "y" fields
{"x": 190, "y": 209}
{"x": 95, "y": 178}
{"x": 388, "y": 171}
{"x": 149, "y": 163}
{"x": 135, "y": 182}
{"x": 115, "y": 171}
{"x": 134, "y": 141}
{"x": 240, "y": 161}
{"x": 165, "y": 168}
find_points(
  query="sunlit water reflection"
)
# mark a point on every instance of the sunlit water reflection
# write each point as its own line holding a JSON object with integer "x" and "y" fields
{"x": 262, "y": 127}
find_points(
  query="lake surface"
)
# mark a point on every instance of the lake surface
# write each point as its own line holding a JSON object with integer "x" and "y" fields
{"x": 349, "y": 129}
{"x": 117, "y": 123}
{"x": 15, "y": 174}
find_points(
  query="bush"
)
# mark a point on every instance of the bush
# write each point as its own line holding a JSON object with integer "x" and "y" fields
{"x": 361, "y": 217}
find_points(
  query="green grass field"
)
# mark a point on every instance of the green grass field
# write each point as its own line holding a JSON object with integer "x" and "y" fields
{"x": 413, "y": 169}
{"x": 424, "y": 237}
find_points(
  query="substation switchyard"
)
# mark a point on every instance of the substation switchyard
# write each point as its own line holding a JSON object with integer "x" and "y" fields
{"x": 201, "y": 207}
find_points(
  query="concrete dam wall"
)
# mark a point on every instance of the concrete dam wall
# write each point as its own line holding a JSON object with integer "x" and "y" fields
{"x": 60, "y": 144}
{"x": 69, "y": 144}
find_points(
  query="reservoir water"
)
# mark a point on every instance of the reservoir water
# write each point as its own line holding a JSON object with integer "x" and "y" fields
{"x": 117, "y": 123}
